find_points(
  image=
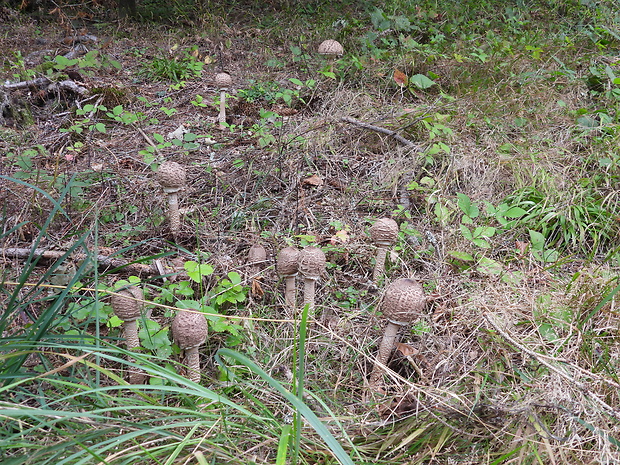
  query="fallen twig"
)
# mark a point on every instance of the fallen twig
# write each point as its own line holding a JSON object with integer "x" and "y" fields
{"x": 104, "y": 262}
{"x": 389, "y": 132}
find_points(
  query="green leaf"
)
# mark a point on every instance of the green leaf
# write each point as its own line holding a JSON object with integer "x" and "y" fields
{"x": 537, "y": 240}
{"x": 489, "y": 267}
{"x": 481, "y": 243}
{"x": 464, "y": 256}
{"x": 466, "y": 232}
{"x": 464, "y": 203}
{"x": 484, "y": 231}
{"x": 421, "y": 81}
{"x": 515, "y": 212}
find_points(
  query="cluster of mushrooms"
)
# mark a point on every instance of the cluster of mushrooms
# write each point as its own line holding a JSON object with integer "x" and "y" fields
{"x": 403, "y": 300}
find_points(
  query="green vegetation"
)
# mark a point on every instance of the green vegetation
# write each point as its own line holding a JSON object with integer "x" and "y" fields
{"x": 488, "y": 130}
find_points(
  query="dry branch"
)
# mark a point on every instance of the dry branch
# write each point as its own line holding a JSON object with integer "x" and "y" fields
{"x": 104, "y": 262}
{"x": 389, "y": 132}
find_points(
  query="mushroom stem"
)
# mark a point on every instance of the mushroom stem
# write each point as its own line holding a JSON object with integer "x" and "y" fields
{"x": 289, "y": 291}
{"x": 192, "y": 361}
{"x": 380, "y": 263}
{"x": 222, "y": 116}
{"x": 390, "y": 337}
{"x": 173, "y": 213}
{"x": 130, "y": 329}
{"x": 309, "y": 287}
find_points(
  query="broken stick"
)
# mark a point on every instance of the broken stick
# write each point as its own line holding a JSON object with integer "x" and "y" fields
{"x": 388, "y": 132}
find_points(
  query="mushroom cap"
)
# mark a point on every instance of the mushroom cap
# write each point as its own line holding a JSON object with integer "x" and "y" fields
{"x": 311, "y": 262}
{"x": 223, "y": 80}
{"x": 257, "y": 253}
{"x": 287, "y": 265}
{"x": 403, "y": 301}
{"x": 189, "y": 329}
{"x": 331, "y": 47}
{"x": 171, "y": 175}
{"x": 384, "y": 231}
{"x": 124, "y": 305}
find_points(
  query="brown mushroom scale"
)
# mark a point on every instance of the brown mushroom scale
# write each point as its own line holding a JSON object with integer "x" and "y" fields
{"x": 311, "y": 264}
{"x": 287, "y": 266}
{"x": 172, "y": 177}
{"x": 383, "y": 234}
{"x": 189, "y": 331}
{"x": 330, "y": 47}
{"x": 403, "y": 303}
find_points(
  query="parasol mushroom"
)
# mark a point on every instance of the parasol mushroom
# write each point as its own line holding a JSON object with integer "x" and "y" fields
{"x": 172, "y": 178}
{"x": 256, "y": 257}
{"x": 383, "y": 234}
{"x": 403, "y": 302}
{"x": 331, "y": 49}
{"x": 311, "y": 262}
{"x": 127, "y": 305}
{"x": 223, "y": 81}
{"x": 189, "y": 330}
{"x": 287, "y": 267}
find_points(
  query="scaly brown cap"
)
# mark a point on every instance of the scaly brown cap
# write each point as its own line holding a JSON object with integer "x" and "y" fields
{"x": 223, "y": 80}
{"x": 403, "y": 301}
{"x": 331, "y": 47}
{"x": 287, "y": 265}
{"x": 311, "y": 262}
{"x": 172, "y": 176}
{"x": 124, "y": 305}
{"x": 384, "y": 231}
{"x": 189, "y": 329}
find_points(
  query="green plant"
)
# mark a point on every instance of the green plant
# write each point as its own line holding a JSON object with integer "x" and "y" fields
{"x": 175, "y": 68}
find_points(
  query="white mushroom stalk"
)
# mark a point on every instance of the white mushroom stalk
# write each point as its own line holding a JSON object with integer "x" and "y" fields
{"x": 383, "y": 234}
{"x": 127, "y": 305}
{"x": 189, "y": 330}
{"x": 172, "y": 178}
{"x": 311, "y": 264}
{"x": 223, "y": 81}
{"x": 403, "y": 302}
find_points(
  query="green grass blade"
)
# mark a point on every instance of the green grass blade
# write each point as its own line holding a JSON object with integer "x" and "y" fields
{"x": 331, "y": 442}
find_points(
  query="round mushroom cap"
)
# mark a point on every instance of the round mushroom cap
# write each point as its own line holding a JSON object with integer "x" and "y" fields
{"x": 286, "y": 265}
{"x": 124, "y": 305}
{"x": 311, "y": 262}
{"x": 403, "y": 301}
{"x": 223, "y": 80}
{"x": 257, "y": 253}
{"x": 189, "y": 329}
{"x": 331, "y": 47}
{"x": 172, "y": 176}
{"x": 384, "y": 231}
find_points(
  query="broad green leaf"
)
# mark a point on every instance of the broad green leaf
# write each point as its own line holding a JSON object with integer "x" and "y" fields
{"x": 421, "y": 81}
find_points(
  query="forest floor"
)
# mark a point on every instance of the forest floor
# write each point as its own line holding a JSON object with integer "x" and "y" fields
{"x": 491, "y": 139}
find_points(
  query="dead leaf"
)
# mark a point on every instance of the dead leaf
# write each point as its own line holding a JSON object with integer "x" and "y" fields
{"x": 341, "y": 236}
{"x": 521, "y": 247}
{"x": 406, "y": 349}
{"x": 313, "y": 180}
{"x": 400, "y": 78}
{"x": 257, "y": 289}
